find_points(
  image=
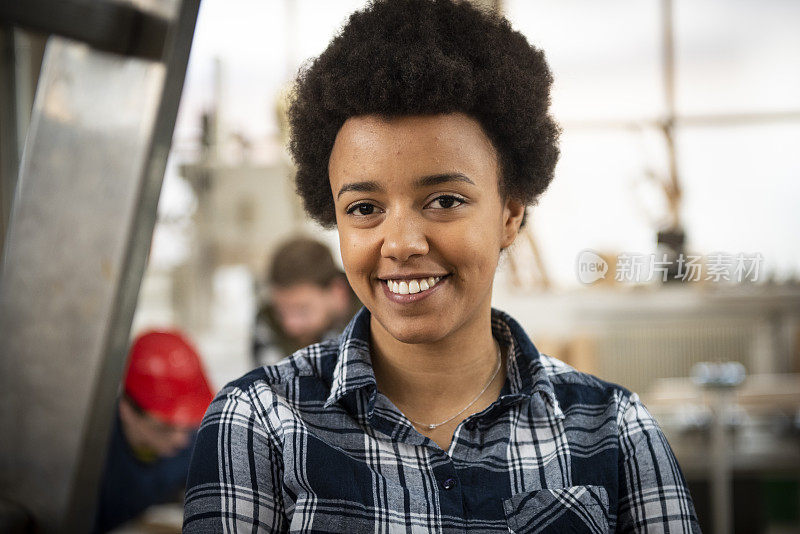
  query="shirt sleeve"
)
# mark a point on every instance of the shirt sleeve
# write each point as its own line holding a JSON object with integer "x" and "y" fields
{"x": 236, "y": 471}
{"x": 653, "y": 494}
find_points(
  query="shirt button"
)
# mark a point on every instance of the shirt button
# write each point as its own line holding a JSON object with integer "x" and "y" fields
{"x": 449, "y": 483}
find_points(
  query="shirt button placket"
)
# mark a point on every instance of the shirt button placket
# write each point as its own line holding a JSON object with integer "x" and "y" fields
{"x": 451, "y": 496}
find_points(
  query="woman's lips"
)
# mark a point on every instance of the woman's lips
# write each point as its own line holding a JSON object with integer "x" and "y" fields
{"x": 412, "y": 297}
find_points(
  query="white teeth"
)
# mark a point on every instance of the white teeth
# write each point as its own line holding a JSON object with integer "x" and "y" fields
{"x": 410, "y": 287}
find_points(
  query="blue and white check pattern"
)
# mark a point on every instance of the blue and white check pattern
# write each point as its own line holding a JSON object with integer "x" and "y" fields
{"x": 309, "y": 445}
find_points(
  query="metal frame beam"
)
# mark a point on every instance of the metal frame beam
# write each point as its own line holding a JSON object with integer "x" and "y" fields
{"x": 109, "y": 26}
{"x": 9, "y": 136}
{"x": 75, "y": 253}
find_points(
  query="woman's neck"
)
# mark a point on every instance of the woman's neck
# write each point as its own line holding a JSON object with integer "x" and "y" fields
{"x": 431, "y": 381}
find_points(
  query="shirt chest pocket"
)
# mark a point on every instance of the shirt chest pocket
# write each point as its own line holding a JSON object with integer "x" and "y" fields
{"x": 558, "y": 510}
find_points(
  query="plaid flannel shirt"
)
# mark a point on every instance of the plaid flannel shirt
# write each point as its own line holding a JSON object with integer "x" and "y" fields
{"x": 310, "y": 445}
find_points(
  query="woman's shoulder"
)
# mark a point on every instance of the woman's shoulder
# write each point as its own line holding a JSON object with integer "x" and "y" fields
{"x": 268, "y": 395}
{"x": 574, "y": 387}
{"x": 313, "y": 361}
{"x": 561, "y": 372}
{"x": 570, "y": 386}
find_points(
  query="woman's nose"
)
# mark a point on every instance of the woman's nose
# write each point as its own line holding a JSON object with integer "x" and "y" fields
{"x": 404, "y": 237}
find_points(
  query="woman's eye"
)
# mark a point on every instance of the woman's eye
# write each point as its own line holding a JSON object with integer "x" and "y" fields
{"x": 363, "y": 208}
{"x": 446, "y": 202}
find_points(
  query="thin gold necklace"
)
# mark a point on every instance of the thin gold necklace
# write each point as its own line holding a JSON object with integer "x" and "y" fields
{"x": 431, "y": 426}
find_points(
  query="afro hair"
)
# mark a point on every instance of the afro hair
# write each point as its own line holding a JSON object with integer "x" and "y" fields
{"x": 423, "y": 57}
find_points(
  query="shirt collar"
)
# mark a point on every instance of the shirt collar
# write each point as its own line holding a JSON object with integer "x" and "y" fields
{"x": 353, "y": 369}
{"x": 526, "y": 375}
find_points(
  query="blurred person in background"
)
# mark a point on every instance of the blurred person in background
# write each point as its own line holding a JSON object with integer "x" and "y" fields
{"x": 310, "y": 301}
{"x": 165, "y": 394}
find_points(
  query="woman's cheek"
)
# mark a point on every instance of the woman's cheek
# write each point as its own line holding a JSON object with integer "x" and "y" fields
{"x": 356, "y": 255}
{"x": 474, "y": 243}
{"x": 348, "y": 250}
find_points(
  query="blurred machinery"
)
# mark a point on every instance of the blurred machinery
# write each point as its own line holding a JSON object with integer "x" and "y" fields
{"x": 670, "y": 231}
{"x": 736, "y": 438}
{"x": 238, "y": 204}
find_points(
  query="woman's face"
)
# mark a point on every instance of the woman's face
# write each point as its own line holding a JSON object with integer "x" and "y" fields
{"x": 421, "y": 221}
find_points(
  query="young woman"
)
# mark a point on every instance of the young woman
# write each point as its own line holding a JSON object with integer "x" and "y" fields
{"x": 422, "y": 133}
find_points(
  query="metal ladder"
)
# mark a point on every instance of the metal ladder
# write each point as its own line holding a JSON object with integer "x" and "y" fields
{"x": 78, "y": 235}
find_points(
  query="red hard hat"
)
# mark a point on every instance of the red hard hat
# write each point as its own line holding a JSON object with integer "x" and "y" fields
{"x": 166, "y": 379}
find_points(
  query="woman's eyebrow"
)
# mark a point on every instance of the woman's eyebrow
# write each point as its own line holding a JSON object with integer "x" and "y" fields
{"x": 368, "y": 186}
{"x": 425, "y": 181}
{"x": 438, "y": 179}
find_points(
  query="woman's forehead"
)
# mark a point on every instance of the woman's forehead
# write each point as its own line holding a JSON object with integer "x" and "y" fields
{"x": 411, "y": 146}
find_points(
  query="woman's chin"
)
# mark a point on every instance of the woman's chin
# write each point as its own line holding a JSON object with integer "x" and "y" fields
{"x": 414, "y": 331}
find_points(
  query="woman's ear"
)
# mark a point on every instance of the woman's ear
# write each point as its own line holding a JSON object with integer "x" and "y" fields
{"x": 513, "y": 213}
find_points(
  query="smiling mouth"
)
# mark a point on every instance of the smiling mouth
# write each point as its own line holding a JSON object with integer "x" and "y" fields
{"x": 413, "y": 286}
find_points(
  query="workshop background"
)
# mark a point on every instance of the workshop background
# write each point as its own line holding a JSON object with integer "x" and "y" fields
{"x": 681, "y": 139}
